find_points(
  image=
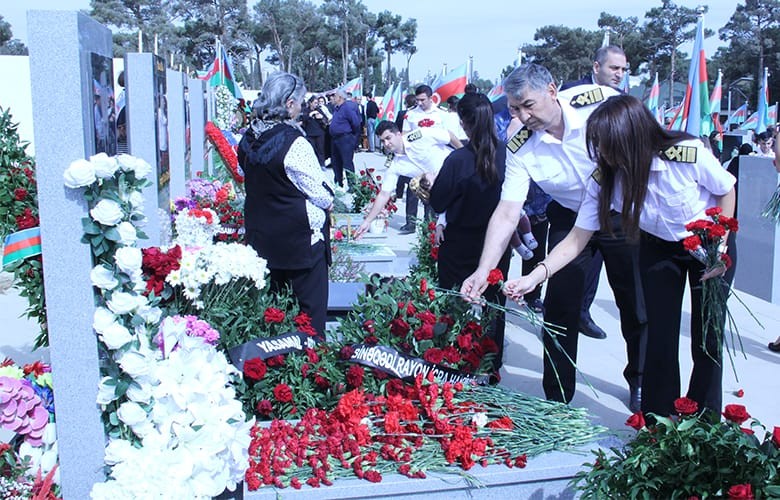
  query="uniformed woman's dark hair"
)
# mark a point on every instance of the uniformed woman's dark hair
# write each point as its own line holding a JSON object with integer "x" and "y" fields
{"x": 623, "y": 138}
{"x": 476, "y": 115}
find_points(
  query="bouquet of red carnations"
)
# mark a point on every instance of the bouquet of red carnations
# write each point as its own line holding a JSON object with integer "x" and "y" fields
{"x": 708, "y": 246}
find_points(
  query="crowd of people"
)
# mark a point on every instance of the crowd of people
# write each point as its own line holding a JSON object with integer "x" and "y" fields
{"x": 571, "y": 178}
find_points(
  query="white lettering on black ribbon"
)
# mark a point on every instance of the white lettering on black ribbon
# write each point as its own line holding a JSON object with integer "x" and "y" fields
{"x": 407, "y": 367}
{"x": 267, "y": 347}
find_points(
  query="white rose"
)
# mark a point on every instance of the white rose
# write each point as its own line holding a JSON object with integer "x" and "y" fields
{"x": 131, "y": 413}
{"x": 104, "y": 165}
{"x": 103, "y": 278}
{"x": 127, "y": 233}
{"x": 150, "y": 314}
{"x": 80, "y": 173}
{"x": 102, "y": 319}
{"x": 129, "y": 260}
{"x": 132, "y": 164}
{"x": 106, "y": 392}
{"x": 136, "y": 200}
{"x": 107, "y": 212}
{"x": 123, "y": 302}
{"x": 115, "y": 336}
{"x": 134, "y": 364}
{"x": 141, "y": 393}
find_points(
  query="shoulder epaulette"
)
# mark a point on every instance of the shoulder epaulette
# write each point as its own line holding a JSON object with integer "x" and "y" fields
{"x": 517, "y": 141}
{"x": 682, "y": 154}
{"x": 587, "y": 98}
{"x": 414, "y": 135}
{"x": 389, "y": 160}
{"x": 596, "y": 175}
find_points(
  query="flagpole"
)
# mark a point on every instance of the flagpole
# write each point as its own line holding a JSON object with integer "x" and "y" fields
{"x": 140, "y": 41}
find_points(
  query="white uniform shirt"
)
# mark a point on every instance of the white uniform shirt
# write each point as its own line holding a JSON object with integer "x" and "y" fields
{"x": 677, "y": 193}
{"x": 560, "y": 168}
{"x": 417, "y": 118}
{"x": 425, "y": 151}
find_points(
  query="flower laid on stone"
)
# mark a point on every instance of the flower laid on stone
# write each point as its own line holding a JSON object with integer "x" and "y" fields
{"x": 689, "y": 455}
{"x": 223, "y": 200}
{"x": 423, "y": 426}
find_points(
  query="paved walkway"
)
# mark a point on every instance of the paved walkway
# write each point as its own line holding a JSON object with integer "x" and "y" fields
{"x": 600, "y": 361}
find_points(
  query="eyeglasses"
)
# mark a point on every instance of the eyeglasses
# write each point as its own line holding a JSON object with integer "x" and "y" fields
{"x": 294, "y": 85}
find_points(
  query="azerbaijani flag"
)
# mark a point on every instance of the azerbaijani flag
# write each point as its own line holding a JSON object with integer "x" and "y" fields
{"x": 221, "y": 73}
{"x": 385, "y": 101}
{"x": 21, "y": 244}
{"x": 355, "y": 86}
{"x": 398, "y": 100}
{"x": 763, "y": 105}
{"x": 652, "y": 100}
{"x": 738, "y": 116}
{"x": 496, "y": 92}
{"x": 715, "y": 98}
{"x": 453, "y": 83}
{"x": 696, "y": 119}
{"x": 753, "y": 121}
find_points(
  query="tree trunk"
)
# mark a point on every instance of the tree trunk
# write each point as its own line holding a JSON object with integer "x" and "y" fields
{"x": 671, "y": 79}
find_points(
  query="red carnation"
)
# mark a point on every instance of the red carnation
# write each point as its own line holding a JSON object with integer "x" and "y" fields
{"x": 321, "y": 382}
{"x": 273, "y": 315}
{"x": 726, "y": 262}
{"x": 275, "y": 361}
{"x": 434, "y": 355}
{"x": 637, "y": 421}
{"x": 283, "y": 393}
{"x": 435, "y": 253}
{"x": 464, "y": 342}
{"x": 685, "y": 406}
{"x": 302, "y": 319}
{"x": 495, "y": 277}
{"x": 692, "y": 243}
{"x": 20, "y": 194}
{"x": 713, "y": 211}
{"x": 255, "y": 369}
{"x": 264, "y": 407}
{"x": 425, "y": 332}
{"x": 423, "y": 285}
{"x": 355, "y": 376}
{"x": 776, "y": 436}
{"x": 346, "y": 352}
{"x": 399, "y": 327}
{"x": 426, "y": 317}
{"x": 741, "y": 491}
{"x": 736, "y": 413}
{"x": 717, "y": 231}
{"x": 373, "y": 476}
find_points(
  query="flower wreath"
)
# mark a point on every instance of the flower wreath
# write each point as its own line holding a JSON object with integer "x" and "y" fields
{"x": 225, "y": 150}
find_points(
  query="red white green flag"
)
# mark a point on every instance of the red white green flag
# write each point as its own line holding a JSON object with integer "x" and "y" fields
{"x": 453, "y": 83}
{"x": 21, "y": 244}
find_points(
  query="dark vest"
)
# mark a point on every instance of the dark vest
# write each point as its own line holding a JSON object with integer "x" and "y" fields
{"x": 277, "y": 226}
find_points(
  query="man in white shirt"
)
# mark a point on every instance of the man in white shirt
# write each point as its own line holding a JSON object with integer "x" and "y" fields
{"x": 551, "y": 150}
{"x": 413, "y": 153}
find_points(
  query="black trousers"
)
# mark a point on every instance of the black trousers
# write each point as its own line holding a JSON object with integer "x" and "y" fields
{"x": 539, "y": 229}
{"x": 310, "y": 287}
{"x": 318, "y": 143}
{"x": 342, "y": 156}
{"x": 665, "y": 266}
{"x": 563, "y": 303}
{"x": 591, "y": 284}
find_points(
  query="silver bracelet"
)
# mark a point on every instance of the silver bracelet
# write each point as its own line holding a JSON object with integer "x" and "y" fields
{"x": 546, "y": 270}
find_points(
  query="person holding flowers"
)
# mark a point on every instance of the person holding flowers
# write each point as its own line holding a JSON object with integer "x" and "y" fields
{"x": 468, "y": 188}
{"x": 662, "y": 182}
{"x": 287, "y": 197}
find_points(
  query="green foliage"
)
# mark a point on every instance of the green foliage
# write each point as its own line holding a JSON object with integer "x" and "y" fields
{"x": 566, "y": 52}
{"x": 19, "y": 210}
{"x": 684, "y": 458}
{"x": 426, "y": 252}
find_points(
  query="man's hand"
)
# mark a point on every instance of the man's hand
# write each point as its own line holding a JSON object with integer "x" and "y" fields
{"x": 474, "y": 285}
{"x": 438, "y": 235}
{"x": 516, "y": 289}
{"x": 361, "y": 230}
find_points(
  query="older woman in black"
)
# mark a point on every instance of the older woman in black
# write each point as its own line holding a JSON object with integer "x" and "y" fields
{"x": 287, "y": 197}
{"x": 468, "y": 188}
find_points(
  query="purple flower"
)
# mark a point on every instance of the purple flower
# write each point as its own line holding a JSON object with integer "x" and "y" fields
{"x": 21, "y": 410}
{"x": 202, "y": 188}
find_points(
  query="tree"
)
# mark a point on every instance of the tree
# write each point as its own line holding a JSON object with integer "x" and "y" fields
{"x": 752, "y": 32}
{"x": 627, "y": 34}
{"x": 281, "y": 26}
{"x": 396, "y": 36}
{"x": 667, "y": 27}
{"x": 127, "y": 17}
{"x": 566, "y": 52}
{"x": 8, "y": 44}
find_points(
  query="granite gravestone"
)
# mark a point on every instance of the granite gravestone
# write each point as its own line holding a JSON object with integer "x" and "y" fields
{"x": 197, "y": 102}
{"x": 61, "y": 45}
{"x": 176, "y": 132}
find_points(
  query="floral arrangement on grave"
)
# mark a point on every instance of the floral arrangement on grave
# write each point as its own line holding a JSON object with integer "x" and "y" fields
{"x": 343, "y": 268}
{"x": 28, "y": 463}
{"x": 707, "y": 245}
{"x": 222, "y": 199}
{"x": 166, "y": 392}
{"x": 417, "y": 428}
{"x": 226, "y": 161}
{"x": 365, "y": 188}
{"x": 225, "y": 107}
{"x": 19, "y": 222}
{"x": 427, "y": 253}
{"x": 689, "y": 455}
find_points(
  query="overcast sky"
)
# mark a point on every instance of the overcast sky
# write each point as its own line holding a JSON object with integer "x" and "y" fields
{"x": 489, "y": 30}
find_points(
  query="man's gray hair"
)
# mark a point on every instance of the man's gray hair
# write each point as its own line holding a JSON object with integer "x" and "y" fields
{"x": 342, "y": 93}
{"x": 279, "y": 87}
{"x": 528, "y": 76}
{"x": 603, "y": 52}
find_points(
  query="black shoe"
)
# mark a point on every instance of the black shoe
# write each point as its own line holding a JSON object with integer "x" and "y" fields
{"x": 635, "y": 399}
{"x": 591, "y": 329}
{"x": 774, "y": 346}
{"x": 407, "y": 228}
{"x": 536, "y": 305}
